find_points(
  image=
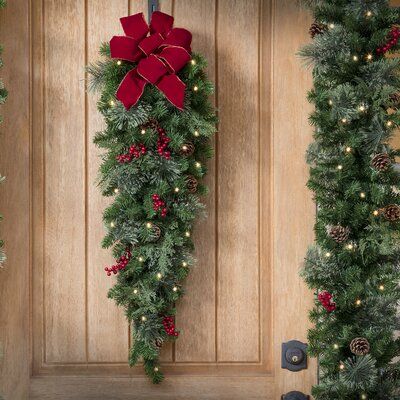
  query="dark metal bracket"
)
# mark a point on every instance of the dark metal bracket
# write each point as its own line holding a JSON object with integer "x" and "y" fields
{"x": 295, "y": 396}
{"x": 153, "y": 6}
{"x": 294, "y": 356}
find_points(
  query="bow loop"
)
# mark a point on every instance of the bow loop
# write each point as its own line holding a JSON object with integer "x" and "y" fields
{"x": 175, "y": 58}
{"x": 161, "y": 23}
{"x": 179, "y": 37}
{"x": 159, "y": 57}
{"x": 135, "y": 26}
{"x": 125, "y": 48}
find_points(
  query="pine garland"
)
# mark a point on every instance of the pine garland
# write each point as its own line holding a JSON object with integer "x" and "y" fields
{"x": 355, "y": 264}
{"x": 3, "y": 97}
{"x": 155, "y": 182}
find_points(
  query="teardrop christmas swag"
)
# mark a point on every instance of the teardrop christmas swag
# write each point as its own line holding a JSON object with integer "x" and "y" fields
{"x": 159, "y": 121}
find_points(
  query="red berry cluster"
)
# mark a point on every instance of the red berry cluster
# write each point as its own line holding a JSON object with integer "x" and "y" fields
{"x": 159, "y": 204}
{"x": 325, "y": 299}
{"x": 169, "y": 326}
{"x": 134, "y": 152}
{"x": 121, "y": 263}
{"x": 162, "y": 143}
{"x": 394, "y": 36}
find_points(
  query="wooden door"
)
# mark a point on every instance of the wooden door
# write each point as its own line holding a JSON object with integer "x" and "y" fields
{"x": 245, "y": 297}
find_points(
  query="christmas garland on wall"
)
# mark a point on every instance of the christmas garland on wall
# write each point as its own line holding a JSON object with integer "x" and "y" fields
{"x": 3, "y": 97}
{"x": 355, "y": 264}
{"x": 159, "y": 121}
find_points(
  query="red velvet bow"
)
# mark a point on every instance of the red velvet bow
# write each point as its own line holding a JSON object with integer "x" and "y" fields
{"x": 159, "y": 56}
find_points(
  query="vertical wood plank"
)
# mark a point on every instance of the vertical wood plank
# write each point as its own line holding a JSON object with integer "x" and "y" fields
{"x": 238, "y": 191}
{"x": 293, "y": 210}
{"x": 196, "y": 311}
{"x": 107, "y": 325}
{"x": 65, "y": 181}
{"x": 15, "y": 201}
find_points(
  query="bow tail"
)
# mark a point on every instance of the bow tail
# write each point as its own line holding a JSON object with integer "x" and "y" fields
{"x": 131, "y": 89}
{"x": 173, "y": 89}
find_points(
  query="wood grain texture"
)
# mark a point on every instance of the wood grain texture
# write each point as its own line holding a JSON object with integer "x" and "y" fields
{"x": 197, "y": 341}
{"x": 107, "y": 326}
{"x": 238, "y": 177}
{"x": 293, "y": 209}
{"x": 14, "y": 202}
{"x": 64, "y": 196}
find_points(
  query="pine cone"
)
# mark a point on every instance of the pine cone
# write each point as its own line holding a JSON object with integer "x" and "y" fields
{"x": 191, "y": 183}
{"x": 392, "y": 212}
{"x": 317, "y": 28}
{"x": 381, "y": 162}
{"x": 187, "y": 149}
{"x": 395, "y": 100}
{"x": 360, "y": 346}
{"x": 155, "y": 232}
{"x": 338, "y": 233}
{"x": 158, "y": 342}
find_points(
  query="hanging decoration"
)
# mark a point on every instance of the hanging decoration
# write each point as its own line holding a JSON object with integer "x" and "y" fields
{"x": 154, "y": 97}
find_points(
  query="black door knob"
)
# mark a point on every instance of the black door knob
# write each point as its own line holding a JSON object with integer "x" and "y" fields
{"x": 295, "y": 396}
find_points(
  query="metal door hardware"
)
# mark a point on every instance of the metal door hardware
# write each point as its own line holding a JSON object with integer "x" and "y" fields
{"x": 294, "y": 356}
{"x": 295, "y": 396}
{"x": 153, "y": 6}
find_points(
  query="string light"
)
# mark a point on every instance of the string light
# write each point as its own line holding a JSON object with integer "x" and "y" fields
{"x": 135, "y": 291}
{"x": 175, "y": 289}
{"x": 196, "y": 133}
{"x": 348, "y": 149}
{"x": 389, "y": 123}
{"x": 376, "y": 213}
{"x": 184, "y": 147}
{"x": 341, "y": 366}
{"x": 381, "y": 288}
{"x": 176, "y": 190}
{"x": 116, "y": 190}
{"x": 327, "y": 254}
{"x": 335, "y": 346}
{"x": 349, "y": 246}
{"x": 364, "y": 396}
{"x": 112, "y": 224}
{"x": 331, "y": 26}
{"x": 362, "y": 108}
{"x": 369, "y": 57}
{"x": 159, "y": 275}
{"x": 140, "y": 259}
{"x": 119, "y": 62}
{"x": 149, "y": 225}
{"x": 368, "y": 13}
{"x": 112, "y": 103}
{"x": 198, "y": 165}
{"x": 344, "y": 120}
{"x": 187, "y": 234}
{"x": 355, "y": 58}
{"x": 155, "y": 369}
{"x": 184, "y": 264}
{"x": 193, "y": 61}
{"x": 362, "y": 195}
{"x": 144, "y": 318}
{"x": 143, "y": 131}
{"x": 195, "y": 88}
{"x": 330, "y": 102}
{"x": 358, "y": 302}
{"x": 339, "y": 167}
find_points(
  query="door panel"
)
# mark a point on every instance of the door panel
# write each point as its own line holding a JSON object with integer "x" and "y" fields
{"x": 244, "y": 297}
